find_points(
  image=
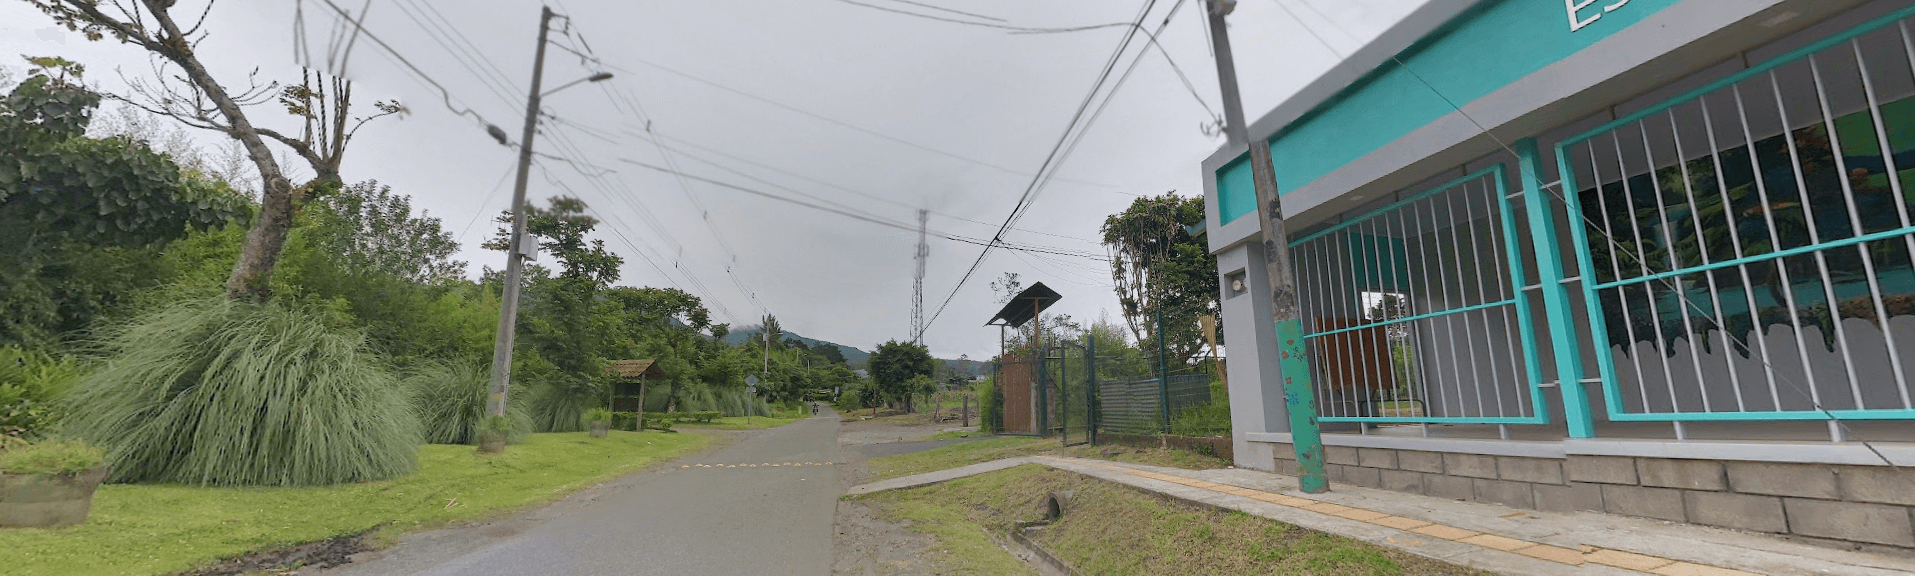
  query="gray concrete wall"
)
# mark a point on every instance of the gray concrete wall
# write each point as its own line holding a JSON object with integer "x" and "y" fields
{"x": 1851, "y": 506}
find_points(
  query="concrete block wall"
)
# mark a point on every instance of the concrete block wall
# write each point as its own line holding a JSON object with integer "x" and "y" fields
{"x": 1866, "y": 505}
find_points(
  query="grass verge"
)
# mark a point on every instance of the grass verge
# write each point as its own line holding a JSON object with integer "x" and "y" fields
{"x": 742, "y": 422}
{"x": 1166, "y": 457}
{"x": 955, "y": 455}
{"x": 160, "y": 529}
{"x": 967, "y": 453}
{"x": 1113, "y": 529}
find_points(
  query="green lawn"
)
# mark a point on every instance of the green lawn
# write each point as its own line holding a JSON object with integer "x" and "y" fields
{"x": 158, "y": 529}
{"x": 1115, "y": 530}
{"x": 743, "y": 423}
{"x": 955, "y": 455}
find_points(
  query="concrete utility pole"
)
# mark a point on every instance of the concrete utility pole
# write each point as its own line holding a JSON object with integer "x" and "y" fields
{"x": 516, "y": 252}
{"x": 1301, "y": 399}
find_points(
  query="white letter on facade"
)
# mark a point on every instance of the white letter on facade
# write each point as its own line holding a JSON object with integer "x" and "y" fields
{"x": 1573, "y": 6}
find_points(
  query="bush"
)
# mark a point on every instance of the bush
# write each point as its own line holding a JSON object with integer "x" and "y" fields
{"x": 29, "y": 384}
{"x": 450, "y": 399}
{"x": 558, "y": 403}
{"x": 597, "y": 415}
{"x": 990, "y": 418}
{"x": 706, "y": 417}
{"x": 216, "y": 392}
{"x": 51, "y": 458}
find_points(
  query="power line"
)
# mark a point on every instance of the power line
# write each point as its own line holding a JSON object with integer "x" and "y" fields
{"x": 1038, "y": 179}
{"x": 830, "y": 120}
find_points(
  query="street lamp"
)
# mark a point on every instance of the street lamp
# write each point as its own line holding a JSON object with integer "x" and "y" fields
{"x": 516, "y": 250}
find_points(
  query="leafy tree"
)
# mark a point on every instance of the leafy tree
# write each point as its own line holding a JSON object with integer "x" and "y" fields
{"x": 194, "y": 97}
{"x": 81, "y": 217}
{"x": 1157, "y": 266}
{"x": 829, "y": 352}
{"x": 893, "y": 366}
{"x": 368, "y": 228}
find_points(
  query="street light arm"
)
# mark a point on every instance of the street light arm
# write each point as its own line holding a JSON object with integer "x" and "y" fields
{"x": 599, "y": 77}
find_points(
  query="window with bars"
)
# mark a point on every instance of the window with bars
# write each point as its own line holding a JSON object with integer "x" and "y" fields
{"x": 1413, "y": 312}
{"x": 1750, "y": 244}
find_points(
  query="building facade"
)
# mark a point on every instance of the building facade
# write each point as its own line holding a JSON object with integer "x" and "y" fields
{"x": 1649, "y": 257}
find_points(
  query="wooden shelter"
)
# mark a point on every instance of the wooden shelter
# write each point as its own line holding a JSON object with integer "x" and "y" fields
{"x": 628, "y": 393}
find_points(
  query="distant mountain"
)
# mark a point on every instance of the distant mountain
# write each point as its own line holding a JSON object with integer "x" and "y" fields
{"x": 851, "y": 355}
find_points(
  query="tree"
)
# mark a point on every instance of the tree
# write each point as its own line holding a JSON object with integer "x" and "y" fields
{"x": 829, "y": 352}
{"x": 893, "y": 366}
{"x": 81, "y": 218}
{"x": 194, "y": 97}
{"x": 1157, "y": 266}
{"x": 367, "y": 228}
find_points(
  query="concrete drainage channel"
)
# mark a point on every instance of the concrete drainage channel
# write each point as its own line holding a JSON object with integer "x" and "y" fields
{"x": 1029, "y": 551}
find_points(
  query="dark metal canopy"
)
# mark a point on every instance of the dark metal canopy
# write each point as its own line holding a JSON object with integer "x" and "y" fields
{"x": 1020, "y": 310}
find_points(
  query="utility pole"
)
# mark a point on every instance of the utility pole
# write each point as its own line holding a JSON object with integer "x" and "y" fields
{"x": 515, "y": 255}
{"x": 1301, "y": 399}
{"x": 515, "y": 251}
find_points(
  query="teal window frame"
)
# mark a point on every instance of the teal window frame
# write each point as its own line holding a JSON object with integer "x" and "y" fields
{"x": 1598, "y": 329}
{"x": 1525, "y": 322}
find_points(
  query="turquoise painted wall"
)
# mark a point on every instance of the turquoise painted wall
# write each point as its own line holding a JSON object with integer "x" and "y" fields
{"x": 1488, "y": 47}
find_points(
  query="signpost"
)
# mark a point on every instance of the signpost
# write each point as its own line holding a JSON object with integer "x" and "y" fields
{"x": 751, "y": 386}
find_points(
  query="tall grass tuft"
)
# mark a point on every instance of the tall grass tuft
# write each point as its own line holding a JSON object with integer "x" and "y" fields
{"x": 450, "y": 399}
{"x": 699, "y": 397}
{"x": 560, "y": 401}
{"x": 216, "y": 392}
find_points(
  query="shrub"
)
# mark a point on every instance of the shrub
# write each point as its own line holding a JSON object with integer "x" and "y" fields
{"x": 29, "y": 384}
{"x": 11, "y": 443}
{"x": 597, "y": 415}
{"x": 450, "y": 399}
{"x": 706, "y": 417}
{"x": 216, "y": 392}
{"x": 558, "y": 403}
{"x": 51, "y": 458}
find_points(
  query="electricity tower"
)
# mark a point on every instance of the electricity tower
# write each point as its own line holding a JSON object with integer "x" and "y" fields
{"x": 917, "y": 284}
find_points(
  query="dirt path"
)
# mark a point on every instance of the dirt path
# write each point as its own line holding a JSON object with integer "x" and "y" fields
{"x": 864, "y": 543}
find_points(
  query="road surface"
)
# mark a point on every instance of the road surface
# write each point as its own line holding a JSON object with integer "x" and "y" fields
{"x": 748, "y": 518}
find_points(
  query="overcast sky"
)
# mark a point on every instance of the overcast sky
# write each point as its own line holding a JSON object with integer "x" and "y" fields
{"x": 877, "y": 112}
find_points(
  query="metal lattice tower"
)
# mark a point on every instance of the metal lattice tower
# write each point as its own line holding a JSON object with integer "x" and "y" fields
{"x": 917, "y": 284}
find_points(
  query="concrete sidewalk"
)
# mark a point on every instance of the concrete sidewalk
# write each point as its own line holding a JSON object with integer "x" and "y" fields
{"x": 1484, "y": 536}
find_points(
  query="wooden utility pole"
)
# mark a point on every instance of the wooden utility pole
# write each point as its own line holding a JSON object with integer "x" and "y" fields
{"x": 1300, "y": 397}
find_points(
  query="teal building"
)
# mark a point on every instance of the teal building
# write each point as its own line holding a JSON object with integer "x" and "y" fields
{"x": 1548, "y": 250}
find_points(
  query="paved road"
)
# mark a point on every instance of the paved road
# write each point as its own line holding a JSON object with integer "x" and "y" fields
{"x": 761, "y": 520}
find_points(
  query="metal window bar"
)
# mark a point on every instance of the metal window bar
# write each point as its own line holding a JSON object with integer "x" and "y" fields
{"x": 1387, "y": 296}
{"x": 1778, "y": 221}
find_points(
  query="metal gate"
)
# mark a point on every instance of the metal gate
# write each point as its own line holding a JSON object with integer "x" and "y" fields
{"x": 1070, "y": 392}
{"x": 1017, "y": 396}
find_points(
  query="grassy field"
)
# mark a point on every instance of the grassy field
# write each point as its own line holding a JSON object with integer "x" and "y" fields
{"x": 967, "y": 453}
{"x": 1112, "y": 529}
{"x": 955, "y": 455}
{"x": 1168, "y": 458}
{"x": 158, "y": 529}
{"x": 743, "y": 423}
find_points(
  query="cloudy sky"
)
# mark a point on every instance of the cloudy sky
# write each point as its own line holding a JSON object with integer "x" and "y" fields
{"x": 845, "y": 104}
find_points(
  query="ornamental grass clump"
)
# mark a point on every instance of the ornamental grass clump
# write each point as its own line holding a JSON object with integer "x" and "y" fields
{"x": 450, "y": 400}
{"x": 217, "y": 392}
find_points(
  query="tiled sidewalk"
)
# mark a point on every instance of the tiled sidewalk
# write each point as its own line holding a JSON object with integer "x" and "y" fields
{"x": 1484, "y": 536}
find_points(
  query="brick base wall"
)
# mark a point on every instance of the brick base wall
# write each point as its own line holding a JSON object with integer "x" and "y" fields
{"x": 1856, "y": 504}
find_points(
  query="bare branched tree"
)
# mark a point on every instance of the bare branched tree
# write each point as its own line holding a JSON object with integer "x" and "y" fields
{"x": 183, "y": 89}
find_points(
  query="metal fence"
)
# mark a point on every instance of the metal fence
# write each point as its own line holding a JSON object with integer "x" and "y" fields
{"x": 1136, "y": 406}
{"x": 1415, "y": 312}
{"x": 1750, "y": 241}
